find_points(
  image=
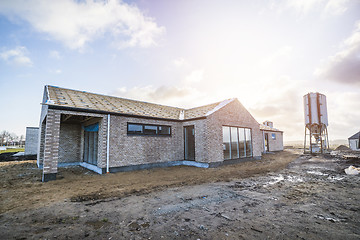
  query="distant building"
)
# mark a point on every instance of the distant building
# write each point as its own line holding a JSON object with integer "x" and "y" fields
{"x": 272, "y": 137}
{"x": 31, "y": 140}
{"x": 354, "y": 142}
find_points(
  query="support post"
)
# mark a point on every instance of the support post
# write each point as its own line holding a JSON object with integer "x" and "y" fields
{"x": 51, "y": 147}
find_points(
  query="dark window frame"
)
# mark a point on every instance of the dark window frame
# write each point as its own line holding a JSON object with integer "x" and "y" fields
{"x": 273, "y": 136}
{"x": 144, "y": 133}
{"x": 245, "y": 140}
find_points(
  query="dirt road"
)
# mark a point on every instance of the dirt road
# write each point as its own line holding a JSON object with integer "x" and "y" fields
{"x": 310, "y": 198}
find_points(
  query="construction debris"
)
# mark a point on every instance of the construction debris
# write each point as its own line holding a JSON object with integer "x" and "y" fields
{"x": 352, "y": 170}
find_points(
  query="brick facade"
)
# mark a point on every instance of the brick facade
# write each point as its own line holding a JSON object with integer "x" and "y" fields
{"x": 62, "y": 142}
{"x": 128, "y": 150}
{"x": 51, "y": 144}
{"x": 233, "y": 114}
{"x": 69, "y": 143}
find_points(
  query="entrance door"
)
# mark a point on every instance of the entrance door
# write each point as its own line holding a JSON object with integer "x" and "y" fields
{"x": 267, "y": 142}
{"x": 91, "y": 144}
{"x": 189, "y": 143}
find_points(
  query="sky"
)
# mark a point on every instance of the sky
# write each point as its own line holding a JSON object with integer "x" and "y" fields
{"x": 266, "y": 53}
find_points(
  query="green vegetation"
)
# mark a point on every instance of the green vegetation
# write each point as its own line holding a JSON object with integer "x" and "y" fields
{"x": 12, "y": 150}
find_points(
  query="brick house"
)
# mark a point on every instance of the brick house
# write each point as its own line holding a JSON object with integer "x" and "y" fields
{"x": 110, "y": 134}
{"x": 272, "y": 137}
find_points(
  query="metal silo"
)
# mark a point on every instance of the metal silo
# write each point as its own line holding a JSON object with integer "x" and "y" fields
{"x": 316, "y": 122}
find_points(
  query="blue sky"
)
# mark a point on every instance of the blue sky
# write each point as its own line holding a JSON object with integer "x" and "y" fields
{"x": 268, "y": 54}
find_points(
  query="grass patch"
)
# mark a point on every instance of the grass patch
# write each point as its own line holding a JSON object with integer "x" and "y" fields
{"x": 12, "y": 150}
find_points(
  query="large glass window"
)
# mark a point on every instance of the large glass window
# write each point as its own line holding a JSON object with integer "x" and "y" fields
{"x": 226, "y": 142}
{"x": 242, "y": 142}
{"x": 236, "y": 142}
{"x": 147, "y": 129}
{"x": 248, "y": 142}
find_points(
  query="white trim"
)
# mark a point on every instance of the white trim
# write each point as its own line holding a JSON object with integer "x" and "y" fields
{"x": 91, "y": 167}
{"x": 195, "y": 164}
{"x": 108, "y": 144}
{"x": 182, "y": 114}
{"x": 220, "y": 105}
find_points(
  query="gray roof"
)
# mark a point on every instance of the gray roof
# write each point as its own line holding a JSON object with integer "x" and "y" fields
{"x": 355, "y": 136}
{"x": 90, "y": 101}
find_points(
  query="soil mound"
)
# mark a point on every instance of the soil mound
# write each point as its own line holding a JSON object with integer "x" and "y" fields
{"x": 4, "y": 157}
{"x": 342, "y": 148}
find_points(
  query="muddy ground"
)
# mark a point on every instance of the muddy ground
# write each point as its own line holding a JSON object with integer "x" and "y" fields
{"x": 283, "y": 196}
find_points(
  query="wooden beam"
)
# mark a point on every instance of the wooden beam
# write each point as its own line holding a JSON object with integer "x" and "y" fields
{"x": 66, "y": 117}
{"x": 87, "y": 119}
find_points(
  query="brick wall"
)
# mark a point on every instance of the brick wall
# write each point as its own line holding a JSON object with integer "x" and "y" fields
{"x": 69, "y": 143}
{"x": 233, "y": 114}
{"x": 51, "y": 145}
{"x": 200, "y": 139}
{"x": 128, "y": 150}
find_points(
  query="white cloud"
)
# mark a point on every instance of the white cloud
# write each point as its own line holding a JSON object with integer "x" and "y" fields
{"x": 182, "y": 95}
{"x": 56, "y": 71}
{"x": 54, "y": 54}
{"x": 179, "y": 62}
{"x": 336, "y": 7}
{"x": 304, "y": 7}
{"x": 164, "y": 95}
{"x": 344, "y": 66}
{"x": 17, "y": 56}
{"x": 76, "y": 23}
{"x": 195, "y": 76}
{"x": 281, "y": 53}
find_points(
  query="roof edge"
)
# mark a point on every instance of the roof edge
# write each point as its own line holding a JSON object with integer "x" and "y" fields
{"x": 219, "y": 106}
{"x": 57, "y": 107}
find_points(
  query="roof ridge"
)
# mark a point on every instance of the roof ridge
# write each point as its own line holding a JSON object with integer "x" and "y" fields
{"x": 220, "y": 105}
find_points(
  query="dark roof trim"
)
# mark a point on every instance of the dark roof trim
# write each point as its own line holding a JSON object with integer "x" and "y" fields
{"x": 118, "y": 114}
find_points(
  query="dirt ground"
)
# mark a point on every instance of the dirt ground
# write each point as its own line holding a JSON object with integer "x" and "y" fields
{"x": 283, "y": 196}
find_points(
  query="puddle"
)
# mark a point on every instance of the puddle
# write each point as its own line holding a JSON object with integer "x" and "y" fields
{"x": 281, "y": 178}
{"x": 335, "y": 178}
{"x": 276, "y": 180}
{"x": 294, "y": 179}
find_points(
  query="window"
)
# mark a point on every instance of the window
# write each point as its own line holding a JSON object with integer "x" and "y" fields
{"x": 164, "y": 130}
{"x": 273, "y": 136}
{"x": 135, "y": 129}
{"x": 236, "y": 142}
{"x": 226, "y": 142}
{"x": 248, "y": 142}
{"x": 148, "y": 129}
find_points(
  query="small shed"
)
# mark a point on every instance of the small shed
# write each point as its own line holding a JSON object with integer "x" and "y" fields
{"x": 31, "y": 140}
{"x": 272, "y": 137}
{"x": 354, "y": 141}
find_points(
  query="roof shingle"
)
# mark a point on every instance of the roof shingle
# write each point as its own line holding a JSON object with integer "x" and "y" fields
{"x": 91, "y": 101}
